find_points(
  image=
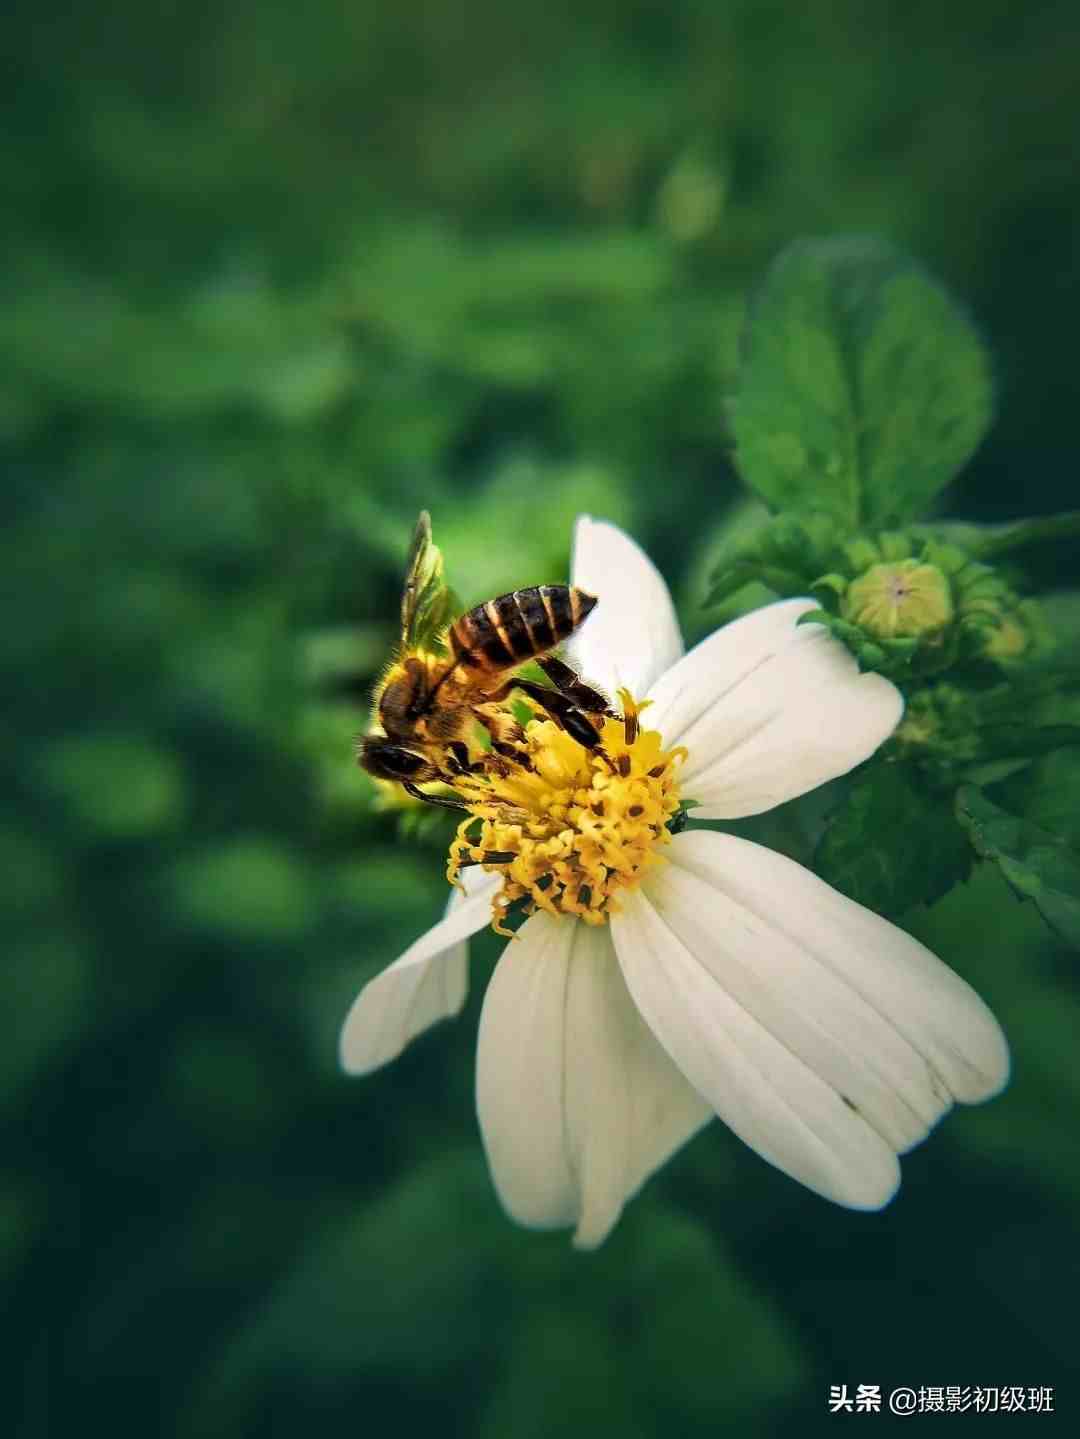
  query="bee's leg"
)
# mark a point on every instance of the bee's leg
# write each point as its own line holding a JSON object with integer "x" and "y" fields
{"x": 570, "y": 684}
{"x": 443, "y": 800}
{"x": 458, "y": 761}
{"x": 507, "y": 736}
{"x": 453, "y": 762}
{"x": 562, "y": 709}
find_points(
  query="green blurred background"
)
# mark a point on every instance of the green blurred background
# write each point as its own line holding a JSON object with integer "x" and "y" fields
{"x": 275, "y": 278}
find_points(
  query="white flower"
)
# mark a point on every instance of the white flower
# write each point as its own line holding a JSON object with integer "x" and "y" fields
{"x": 729, "y": 980}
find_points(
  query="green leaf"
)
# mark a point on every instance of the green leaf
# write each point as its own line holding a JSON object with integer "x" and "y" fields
{"x": 1062, "y": 610}
{"x": 1009, "y": 741}
{"x": 893, "y": 844}
{"x": 1004, "y": 539}
{"x": 410, "y": 1285}
{"x": 787, "y": 553}
{"x": 602, "y": 1371}
{"x": 1047, "y": 794}
{"x": 863, "y": 389}
{"x": 1038, "y": 865}
{"x": 1054, "y": 799}
{"x": 729, "y": 579}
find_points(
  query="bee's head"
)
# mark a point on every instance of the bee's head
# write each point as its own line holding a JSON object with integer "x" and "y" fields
{"x": 386, "y": 759}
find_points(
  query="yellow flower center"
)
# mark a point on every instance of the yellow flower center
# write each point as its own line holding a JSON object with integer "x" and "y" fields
{"x": 569, "y": 826}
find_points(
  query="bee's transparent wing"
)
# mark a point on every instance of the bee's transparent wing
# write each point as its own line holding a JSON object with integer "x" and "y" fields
{"x": 427, "y": 602}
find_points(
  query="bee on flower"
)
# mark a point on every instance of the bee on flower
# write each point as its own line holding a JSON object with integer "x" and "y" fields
{"x": 665, "y": 975}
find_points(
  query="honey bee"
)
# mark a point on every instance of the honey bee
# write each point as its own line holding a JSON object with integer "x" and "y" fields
{"x": 450, "y": 674}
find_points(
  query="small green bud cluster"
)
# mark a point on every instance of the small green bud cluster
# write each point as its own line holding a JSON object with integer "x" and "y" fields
{"x": 913, "y": 606}
{"x": 941, "y": 723}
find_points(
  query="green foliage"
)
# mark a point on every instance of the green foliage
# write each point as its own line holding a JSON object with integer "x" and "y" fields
{"x": 248, "y": 887}
{"x": 1062, "y": 610}
{"x": 46, "y": 981}
{"x": 983, "y": 920}
{"x": 425, "y": 1282}
{"x": 893, "y": 843}
{"x": 913, "y": 607}
{"x": 994, "y": 540}
{"x": 907, "y": 603}
{"x": 1052, "y": 798}
{"x": 787, "y": 552}
{"x": 1038, "y": 865}
{"x": 116, "y": 787}
{"x": 863, "y": 389}
{"x": 905, "y": 834}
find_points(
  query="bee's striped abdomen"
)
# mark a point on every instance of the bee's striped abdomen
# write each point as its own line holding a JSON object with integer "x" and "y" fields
{"x": 507, "y": 631}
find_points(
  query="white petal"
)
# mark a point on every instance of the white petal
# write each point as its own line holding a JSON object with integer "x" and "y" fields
{"x": 783, "y": 985}
{"x": 930, "y": 1006}
{"x": 768, "y": 710}
{"x": 757, "y": 1085}
{"x": 520, "y": 1073}
{"x": 628, "y": 1107}
{"x": 632, "y": 636}
{"x": 690, "y": 690}
{"x": 578, "y": 1103}
{"x": 428, "y": 983}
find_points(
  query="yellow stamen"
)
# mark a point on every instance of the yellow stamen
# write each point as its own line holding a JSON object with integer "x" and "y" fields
{"x": 577, "y": 826}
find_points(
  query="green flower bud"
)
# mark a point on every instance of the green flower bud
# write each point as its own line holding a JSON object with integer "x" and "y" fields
{"x": 899, "y": 600}
{"x": 911, "y": 605}
{"x": 940, "y": 725}
{"x": 862, "y": 552}
{"x": 1007, "y": 641}
{"x": 1021, "y": 633}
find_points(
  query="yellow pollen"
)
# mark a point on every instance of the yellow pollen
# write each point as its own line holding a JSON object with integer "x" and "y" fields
{"x": 569, "y": 827}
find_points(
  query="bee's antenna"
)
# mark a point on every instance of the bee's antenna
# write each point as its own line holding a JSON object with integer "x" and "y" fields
{"x": 444, "y": 800}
